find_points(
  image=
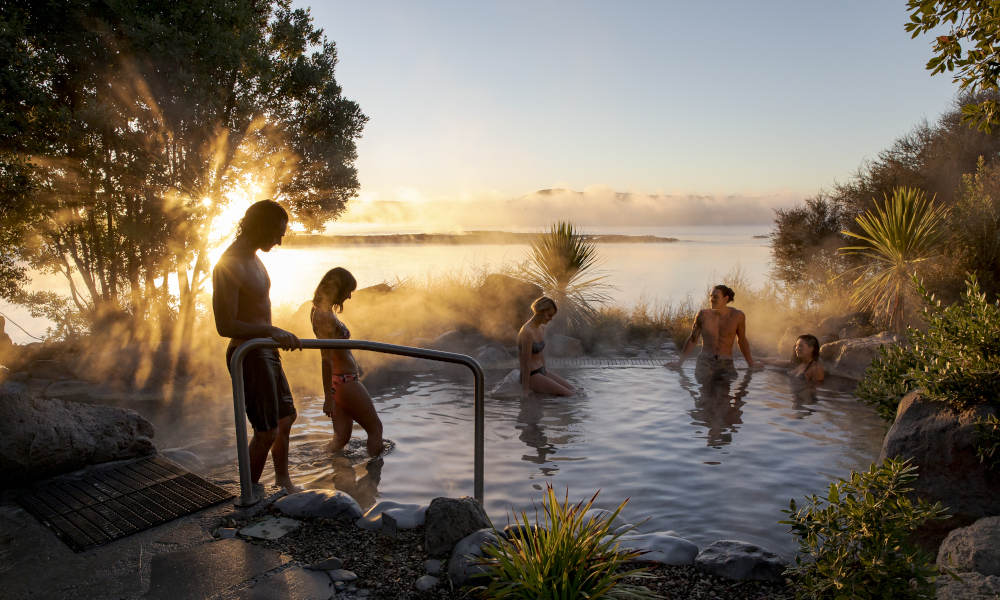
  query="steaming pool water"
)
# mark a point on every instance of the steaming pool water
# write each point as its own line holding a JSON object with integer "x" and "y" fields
{"x": 708, "y": 462}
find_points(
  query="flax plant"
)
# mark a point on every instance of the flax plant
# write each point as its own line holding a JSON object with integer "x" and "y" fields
{"x": 567, "y": 555}
{"x": 896, "y": 236}
{"x": 563, "y": 263}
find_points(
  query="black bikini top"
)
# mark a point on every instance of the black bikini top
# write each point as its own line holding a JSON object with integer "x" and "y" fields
{"x": 537, "y": 347}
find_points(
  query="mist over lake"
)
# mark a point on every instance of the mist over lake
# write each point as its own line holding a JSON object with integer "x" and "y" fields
{"x": 656, "y": 272}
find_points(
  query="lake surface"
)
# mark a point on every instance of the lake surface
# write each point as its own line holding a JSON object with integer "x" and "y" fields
{"x": 657, "y": 273}
{"x": 707, "y": 462}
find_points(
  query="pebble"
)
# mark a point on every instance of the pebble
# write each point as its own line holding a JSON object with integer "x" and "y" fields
{"x": 225, "y": 533}
{"x": 342, "y": 575}
{"x": 427, "y": 582}
{"x": 432, "y": 566}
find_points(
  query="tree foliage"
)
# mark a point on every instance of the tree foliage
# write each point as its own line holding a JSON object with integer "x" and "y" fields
{"x": 126, "y": 127}
{"x": 805, "y": 242}
{"x": 933, "y": 158}
{"x": 970, "y": 49}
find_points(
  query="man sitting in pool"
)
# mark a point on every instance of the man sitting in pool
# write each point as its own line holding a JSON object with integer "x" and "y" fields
{"x": 719, "y": 326}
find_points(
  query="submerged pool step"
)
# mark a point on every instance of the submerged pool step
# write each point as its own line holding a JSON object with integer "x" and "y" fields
{"x": 558, "y": 363}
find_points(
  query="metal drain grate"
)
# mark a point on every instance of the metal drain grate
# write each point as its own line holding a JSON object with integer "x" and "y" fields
{"x": 109, "y": 502}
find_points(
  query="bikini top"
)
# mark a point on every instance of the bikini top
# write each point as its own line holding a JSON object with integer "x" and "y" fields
{"x": 537, "y": 347}
{"x": 802, "y": 375}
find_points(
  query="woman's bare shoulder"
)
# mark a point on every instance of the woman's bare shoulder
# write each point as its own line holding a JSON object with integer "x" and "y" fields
{"x": 322, "y": 321}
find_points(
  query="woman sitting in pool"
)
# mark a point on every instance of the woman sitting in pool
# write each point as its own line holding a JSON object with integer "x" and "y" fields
{"x": 346, "y": 399}
{"x": 530, "y": 345}
{"x": 805, "y": 360}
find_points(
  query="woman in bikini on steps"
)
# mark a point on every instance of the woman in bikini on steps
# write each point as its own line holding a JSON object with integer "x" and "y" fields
{"x": 346, "y": 399}
{"x": 530, "y": 345}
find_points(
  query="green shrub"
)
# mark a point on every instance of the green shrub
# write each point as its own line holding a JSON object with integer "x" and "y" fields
{"x": 956, "y": 359}
{"x": 565, "y": 555}
{"x": 887, "y": 380}
{"x": 854, "y": 544}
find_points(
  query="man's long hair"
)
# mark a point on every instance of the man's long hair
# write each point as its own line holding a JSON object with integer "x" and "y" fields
{"x": 260, "y": 218}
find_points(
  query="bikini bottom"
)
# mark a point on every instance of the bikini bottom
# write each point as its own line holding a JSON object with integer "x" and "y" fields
{"x": 539, "y": 371}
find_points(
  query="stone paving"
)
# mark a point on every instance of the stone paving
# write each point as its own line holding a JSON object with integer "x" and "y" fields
{"x": 179, "y": 559}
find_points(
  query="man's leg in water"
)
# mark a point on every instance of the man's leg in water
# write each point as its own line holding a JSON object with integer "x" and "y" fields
{"x": 279, "y": 454}
{"x": 260, "y": 444}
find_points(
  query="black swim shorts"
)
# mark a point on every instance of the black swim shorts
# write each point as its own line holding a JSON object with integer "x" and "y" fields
{"x": 268, "y": 397}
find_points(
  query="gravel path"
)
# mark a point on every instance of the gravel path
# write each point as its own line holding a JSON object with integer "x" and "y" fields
{"x": 388, "y": 567}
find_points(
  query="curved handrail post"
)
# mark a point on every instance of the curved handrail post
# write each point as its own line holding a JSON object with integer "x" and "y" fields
{"x": 239, "y": 399}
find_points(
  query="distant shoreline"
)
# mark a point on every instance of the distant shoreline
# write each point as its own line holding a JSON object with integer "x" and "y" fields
{"x": 470, "y": 237}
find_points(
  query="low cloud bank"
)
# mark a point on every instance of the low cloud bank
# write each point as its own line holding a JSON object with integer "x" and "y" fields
{"x": 592, "y": 206}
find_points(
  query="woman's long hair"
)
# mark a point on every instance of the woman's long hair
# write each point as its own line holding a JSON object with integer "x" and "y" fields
{"x": 336, "y": 284}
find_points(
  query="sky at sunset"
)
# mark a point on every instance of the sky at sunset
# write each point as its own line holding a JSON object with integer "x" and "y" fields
{"x": 678, "y": 110}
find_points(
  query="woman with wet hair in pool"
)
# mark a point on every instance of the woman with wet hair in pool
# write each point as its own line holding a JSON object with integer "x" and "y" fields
{"x": 345, "y": 398}
{"x": 530, "y": 346}
{"x": 805, "y": 363}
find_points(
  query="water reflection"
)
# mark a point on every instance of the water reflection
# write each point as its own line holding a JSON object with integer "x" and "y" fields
{"x": 717, "y": 406}
{"x": 349, "y": 471}
{"x": 803, "y": 396}
{"x": 545, "y": 440}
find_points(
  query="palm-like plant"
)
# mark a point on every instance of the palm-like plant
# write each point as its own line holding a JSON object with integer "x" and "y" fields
{"x": 563, "y": 263}
{"x": 895, "y": 238}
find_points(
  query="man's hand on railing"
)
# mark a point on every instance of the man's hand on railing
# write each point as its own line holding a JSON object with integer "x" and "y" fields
{"x": 286, "y": 339}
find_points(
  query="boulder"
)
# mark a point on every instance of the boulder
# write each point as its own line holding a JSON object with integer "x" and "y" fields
{"x": 969, "y": 586}
{"x": 941, "y": 443}
{"x": 490, "y": 354}
{"x": 740, "y": 560}
{"x": 40, "y": 437}
{"x": 463, "y": 566}
{"x": 462, "y": 342}
{"x": 451, "y": 519}
{"x": 661, "y": 547}
{"x": 563, "y": 345}
{"x": 328, "y": 504}
{"x": 831, "y": 328}
{"x": 850, "y": 357}
{"x": 973, "y": 548}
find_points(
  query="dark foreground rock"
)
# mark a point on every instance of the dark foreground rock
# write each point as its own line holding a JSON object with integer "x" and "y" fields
{"x": 941, "y": 443}
{"x": 740, "y": 560}
{"x": 973, "y": 548}
{"x": 42, "y": 437}
{"x": 450, "y": 519}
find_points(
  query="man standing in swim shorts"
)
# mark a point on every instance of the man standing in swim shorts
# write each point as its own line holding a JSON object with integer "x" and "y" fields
{"x": 242, "y": 305}
{"x": 719, "y": 326}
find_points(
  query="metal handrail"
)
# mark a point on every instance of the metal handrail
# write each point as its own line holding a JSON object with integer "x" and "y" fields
{"x": 239, "y": 398}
